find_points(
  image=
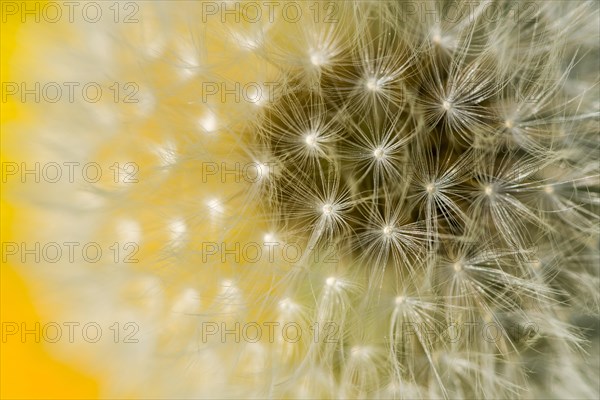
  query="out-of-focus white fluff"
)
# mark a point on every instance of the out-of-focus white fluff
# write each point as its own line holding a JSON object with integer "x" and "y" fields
{"x": 449, "y": 164}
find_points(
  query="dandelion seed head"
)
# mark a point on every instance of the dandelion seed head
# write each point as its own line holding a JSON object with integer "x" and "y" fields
{"x": 288, "y": 306}
{"x": 434, "y": 155}
{"x": 255, "y": 95}
{"x": 187, "y": 302}
{"x": 167, "y": 154}
{"x": 373, "y": 84}
{"x": 311, "y": 139}
{"x": 230, "y": 299}
{"x": 387, "y": 231}
{"x": 146, "y": 103}
{"x": 327, "y": 209}
{"x": 458, "y": 266}
{"x": 379, "y": 153}
{"x": 317, "y": 58}
{"x": 247, "y": 41}
{"x": 227, "y": 285}
{"x": 331, "y": 281}
{"x": 177, "y": 230}
{"x": 215, "y": 206}
{"x": 129, "y": 230}
{"x": 208, "y": 123}
{"x": 263, "y": 170}
{"x": 360, "y": 352}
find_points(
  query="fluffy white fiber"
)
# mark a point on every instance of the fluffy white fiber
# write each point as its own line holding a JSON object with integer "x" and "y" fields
{"x": 427, "y": 183}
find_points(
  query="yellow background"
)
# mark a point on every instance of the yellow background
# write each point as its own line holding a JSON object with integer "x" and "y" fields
{"x": 27, "y": 370}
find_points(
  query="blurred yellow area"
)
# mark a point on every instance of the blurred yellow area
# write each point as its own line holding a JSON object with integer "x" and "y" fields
{"x": 27, "y": 370}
